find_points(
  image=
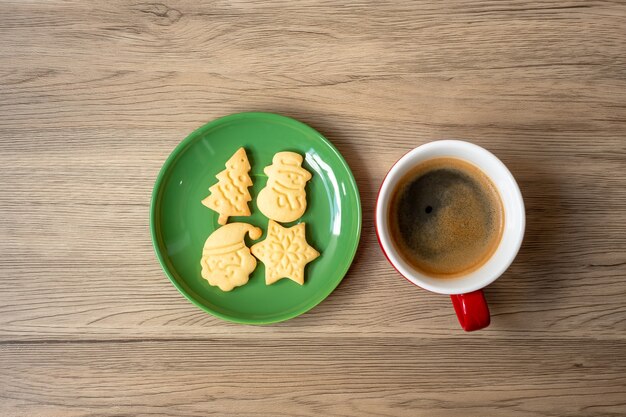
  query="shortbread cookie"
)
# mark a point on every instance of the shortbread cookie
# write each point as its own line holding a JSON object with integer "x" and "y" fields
{"x": 230, "y": 196}
{"x": 284, "y": 252}
{"x": 226, "y": 260}
{"x": 283, "y": 199}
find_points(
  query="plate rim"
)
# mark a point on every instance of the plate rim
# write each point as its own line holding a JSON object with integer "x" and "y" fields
{"x": 159, "y": 183}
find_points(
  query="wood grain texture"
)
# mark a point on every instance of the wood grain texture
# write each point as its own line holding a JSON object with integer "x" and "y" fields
{"x": 94, "y": 96}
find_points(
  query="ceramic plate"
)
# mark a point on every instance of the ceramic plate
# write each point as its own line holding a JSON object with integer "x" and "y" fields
{"x": 180, "y": 224}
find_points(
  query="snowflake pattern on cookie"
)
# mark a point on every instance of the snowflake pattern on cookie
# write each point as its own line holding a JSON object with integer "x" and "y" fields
{"x": 284, "y": 252}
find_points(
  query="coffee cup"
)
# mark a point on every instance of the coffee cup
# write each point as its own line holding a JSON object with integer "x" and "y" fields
{"x": 465, "y": 290}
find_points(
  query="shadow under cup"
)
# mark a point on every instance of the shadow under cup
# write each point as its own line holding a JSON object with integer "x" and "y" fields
{"x": 513, "y": 222}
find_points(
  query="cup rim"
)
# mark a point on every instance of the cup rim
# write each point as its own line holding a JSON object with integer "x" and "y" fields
{"x": 474, "y": 280}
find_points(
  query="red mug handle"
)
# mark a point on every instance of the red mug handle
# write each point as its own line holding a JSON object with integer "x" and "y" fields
{"x": 471, "y": 310}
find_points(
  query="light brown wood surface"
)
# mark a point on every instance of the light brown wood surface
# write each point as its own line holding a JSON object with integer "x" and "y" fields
{"x": 94, "y": 95}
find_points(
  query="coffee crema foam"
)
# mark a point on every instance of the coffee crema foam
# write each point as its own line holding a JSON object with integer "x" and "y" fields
{"x": 446, "y": 217}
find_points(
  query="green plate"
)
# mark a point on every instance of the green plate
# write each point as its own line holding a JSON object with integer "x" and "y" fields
{"x": 180, "y": 224}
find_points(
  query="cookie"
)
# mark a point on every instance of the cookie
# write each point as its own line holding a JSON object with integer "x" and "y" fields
{"x": 284, "y": 252}
{"x": 226, "y": 260}
{"x": 230, "y": 196}
{"x": 284, "y": 199}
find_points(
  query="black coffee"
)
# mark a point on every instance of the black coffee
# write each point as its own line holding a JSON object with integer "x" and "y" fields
{"x": 446, "y": 217}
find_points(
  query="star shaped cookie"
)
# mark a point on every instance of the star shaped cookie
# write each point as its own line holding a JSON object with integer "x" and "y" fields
{"x": 284, "y": 252}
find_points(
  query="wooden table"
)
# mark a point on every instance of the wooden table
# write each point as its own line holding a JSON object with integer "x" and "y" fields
{"x": 94, "y": 97}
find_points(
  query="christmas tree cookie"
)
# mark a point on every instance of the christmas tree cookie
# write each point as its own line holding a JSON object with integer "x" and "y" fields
{"x": 230, "y": 196}
{"x": 284, "y": 199}
{"x": 226, "y": 260}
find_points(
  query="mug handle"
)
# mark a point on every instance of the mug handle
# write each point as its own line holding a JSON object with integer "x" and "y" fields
{"x": 471, "y": 310}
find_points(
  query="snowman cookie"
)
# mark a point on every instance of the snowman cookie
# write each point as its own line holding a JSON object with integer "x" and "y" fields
{"x": 284, "y": 199}
{"x": 226, "y": 260}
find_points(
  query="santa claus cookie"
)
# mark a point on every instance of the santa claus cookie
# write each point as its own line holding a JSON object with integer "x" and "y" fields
{"x": 226, "y": 260}
{"x": 284, "y": 199}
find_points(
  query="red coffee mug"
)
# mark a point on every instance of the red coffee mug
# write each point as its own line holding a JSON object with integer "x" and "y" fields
{"x": 466, "y": 291}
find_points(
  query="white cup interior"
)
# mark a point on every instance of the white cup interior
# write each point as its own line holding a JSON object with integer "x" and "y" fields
{"x": 514, "y": 215}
